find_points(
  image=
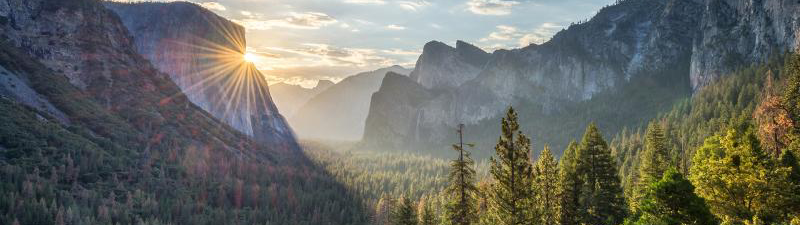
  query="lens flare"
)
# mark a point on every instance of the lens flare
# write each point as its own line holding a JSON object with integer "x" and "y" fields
{"x": 225, "y": 74}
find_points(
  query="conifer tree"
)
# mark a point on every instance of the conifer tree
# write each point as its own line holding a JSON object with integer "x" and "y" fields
{"x": 546, "y": 181}
{"x": 511, "y": 194}
{"x": 672, "y": 200}
{"x": 460, "y": 209}
{"x": 404, "y": 213}
{"x": 569, "y": 186}
{"x": 654, "y": 160}
{"x": 601, "y": 197}
{"x": 426, "y": 214}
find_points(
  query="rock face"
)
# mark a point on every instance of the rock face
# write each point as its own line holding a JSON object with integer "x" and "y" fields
{"x": 739, "y": 32}
{"x": 674, "y": 44}
{"x": 339, "y": 112}
{"x": 289, "y": 97}
{"x": 203, "y": 55}
{"x": 442, "y": 66}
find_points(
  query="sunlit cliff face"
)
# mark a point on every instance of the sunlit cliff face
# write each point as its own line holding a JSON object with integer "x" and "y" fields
{"x": 226, "y": 71}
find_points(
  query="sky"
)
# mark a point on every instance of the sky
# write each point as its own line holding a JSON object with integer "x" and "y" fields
{"x": 303, "y": 41}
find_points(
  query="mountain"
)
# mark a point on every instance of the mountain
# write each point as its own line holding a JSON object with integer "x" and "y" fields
{"x": 289, "y": 97}
{"x": 202, "y": 53}
{"x": 629, "y": 62}
{"x": 92, "y": 133}
{"x": 339, "y": 112}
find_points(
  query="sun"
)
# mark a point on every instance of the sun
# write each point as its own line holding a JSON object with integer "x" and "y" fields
{"x": 249, "y": 57}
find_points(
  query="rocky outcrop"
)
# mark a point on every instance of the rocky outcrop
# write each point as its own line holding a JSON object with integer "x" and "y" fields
{"x": 738, "y": 32}
{"x": 394, "y": 111}
{"x": 339, "y": 112}
{"x": 203, "y": 54}
{"x": 442, "y": 66}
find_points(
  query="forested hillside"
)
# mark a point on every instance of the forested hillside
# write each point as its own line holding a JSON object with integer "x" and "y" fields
{"x": 727, "y": 155}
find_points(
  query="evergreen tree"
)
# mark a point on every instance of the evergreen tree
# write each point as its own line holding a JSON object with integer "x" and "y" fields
{"x": 460, "y": 209}
{"x": 739, "y": 181}
{"x": 426, "y": 214}
{"x": 569, "y": 186}
{"x": 671, "y": 200}
{"x": 546, "y": 181}
{"x": 511, "y": 194}
{"x": 404, "y": 213}
{"x": 653, "y": 162}
{"x": 601, "y": 198}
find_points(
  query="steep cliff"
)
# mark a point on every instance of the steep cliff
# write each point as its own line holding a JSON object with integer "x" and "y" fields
{"x": 203, "y": 55}
{"x": 645, "y": 54}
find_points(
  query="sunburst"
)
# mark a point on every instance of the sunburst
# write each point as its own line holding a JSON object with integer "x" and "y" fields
{"x": 224, "y": 70}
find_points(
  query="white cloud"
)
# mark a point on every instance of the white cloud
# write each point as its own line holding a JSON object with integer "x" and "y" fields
{"x": 213, "y": 6}
{"x": 395, "y": 27}
{"x": 413, "y": 5}
{"x": 437, "y": 26}
{"x": 505, "y": 35}
{"x": 491, "y": 7}
{"x": 307, "y": 20}
{"x": 376, "y": 2}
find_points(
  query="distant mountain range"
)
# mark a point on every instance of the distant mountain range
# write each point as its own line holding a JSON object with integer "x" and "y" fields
{"x": 631, "y": 61}
{"x": 290, "y": 97}
{"x": 331, "y": 111}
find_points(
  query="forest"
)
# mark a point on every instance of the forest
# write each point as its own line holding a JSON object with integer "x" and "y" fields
{"x": 727, "y": 155}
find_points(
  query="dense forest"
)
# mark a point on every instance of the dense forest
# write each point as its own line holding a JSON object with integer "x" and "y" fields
{"x": 727, "y": 155}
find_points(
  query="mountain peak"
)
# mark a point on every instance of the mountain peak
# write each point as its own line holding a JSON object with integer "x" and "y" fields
{"x": 324, "y": 84}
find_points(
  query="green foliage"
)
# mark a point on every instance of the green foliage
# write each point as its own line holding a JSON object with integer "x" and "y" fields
{"x": 460, "y": 210}
{"x": 601, "y": 199}
{"x": 569, "y": 187}
{"x": 511, "y": 193}
{"x": 738, "y": 180}
{"x": 546, "y": 184}
{"x": 404, "y": 213}
{"x": 671, "y": 201}
{"x": 427, "y": 216}
{"x": 654, "y": 161}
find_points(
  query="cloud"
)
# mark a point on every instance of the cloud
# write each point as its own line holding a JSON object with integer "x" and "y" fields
{"x": 395, "y": 27}
{"x": 413, "y": 5}
{"x": 491, "y": 7}
{"x": 307, "y": 20}
{"x": 505, "y": 35}
{"x": 213, "y": 6}
{"x": 541, "y": 34}
{"x": 375, "y": 2}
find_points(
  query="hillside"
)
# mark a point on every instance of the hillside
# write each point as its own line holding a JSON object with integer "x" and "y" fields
{"x": 94, "y": 134}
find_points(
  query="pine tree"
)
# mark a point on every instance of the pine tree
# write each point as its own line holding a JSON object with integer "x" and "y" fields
{"x": 460, "y": 210}
{"x": 511, "y": 194}
{"x": 601, "y": 198}
{"x": 404, "y": 213}
{"x": 569, "y": 186}
{"x": 671, "y": 200}
{"x": 546, "y": 181}
{"x": 426, "y": 214}
{"x": 383, "y": 210}
{"x": 654, "y": 160}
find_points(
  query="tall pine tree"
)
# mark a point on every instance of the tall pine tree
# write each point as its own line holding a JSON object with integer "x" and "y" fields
{"x": 569, "y": 186}
{"x": 511, "y": 194}
{"x": 672, "y": 200}
{"x": 461, "y": 208}
{"x": 546, "y": 180}
{"x": 601, "y": 198}
{"x": 653, "y": 161}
